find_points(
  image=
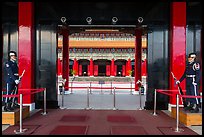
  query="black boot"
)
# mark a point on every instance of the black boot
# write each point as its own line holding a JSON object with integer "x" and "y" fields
{"x": 15, "y": 105}
{"x": 7, "y": 108}
{"x": 188, "y": 107}
{"x": 10, "y": 106}
{"x": 194, "y": 109}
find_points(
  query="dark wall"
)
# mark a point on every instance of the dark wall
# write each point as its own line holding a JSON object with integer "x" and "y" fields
{"x": 158, "y": 60}
{"x": 193, "y": 42}
{"x": 158, "y": 66}
{"x": 45, "y": 59}
{"x": 46, "y": 55}
{"x": 10, "y": 42}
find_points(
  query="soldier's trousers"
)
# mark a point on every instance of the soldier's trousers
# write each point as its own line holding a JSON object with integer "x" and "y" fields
{"x": 193, "y": 91}
{"x": 10, "y": 89}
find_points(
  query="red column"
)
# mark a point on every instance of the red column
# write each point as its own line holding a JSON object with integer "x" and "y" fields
{"x": 88, "y": 70}
{"x": 91, "y": 67}
{"x": 59, "y": 67}
{"x": 26, "y": 48}
{"x": 177, "y": 45}
{"x": 123, "y": 70}
{"x": 138, "y": 57}
{"x": 80, "y": 70}
{"x": 128, "y": 67}
{"x": 200, "y": 88}
{"x": 144, "y": 68}
{"x": 95, "y": 70}
{"x": 107, "y": 70}
{"x": 75, "y": 67}
{"x": 65, "y": 74}
{"x": 115, "y": 70}
{"x": 112, "y": 68}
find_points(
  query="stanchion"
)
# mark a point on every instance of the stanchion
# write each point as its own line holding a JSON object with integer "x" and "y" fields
{"x": 140, "y": 108}
{"x": 90, "y": 88}
{"x": 101, "y": 89}
{"x": 111, "y": 88}
{"x": 88, "y": 107}
{"x": 71, "y": 87}
{"x": 114, "y": 108}
{"x": 45, "y": 112}
{"x": 62, "y": 107}
{"x": 21, "y": 130}
{"x": 201, "y": 101}
{"x": 131, "y": 88}
{"x": 155, "y": 101}
{"x": 177, "y": 129}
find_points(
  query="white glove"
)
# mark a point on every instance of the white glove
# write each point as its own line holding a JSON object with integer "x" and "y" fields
{"x": 177, "y": 82}
{"x": 17, "y": 81}
{"x": 194, "y": 83}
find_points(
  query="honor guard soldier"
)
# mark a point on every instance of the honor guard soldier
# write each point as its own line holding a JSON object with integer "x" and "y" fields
{"x": 12, "y": 80}
{"x": 192, "y": 75}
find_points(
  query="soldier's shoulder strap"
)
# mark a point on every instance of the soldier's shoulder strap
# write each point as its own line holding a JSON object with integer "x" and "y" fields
{"x": 7, "y": 64}
{"x": 196, "y": 66}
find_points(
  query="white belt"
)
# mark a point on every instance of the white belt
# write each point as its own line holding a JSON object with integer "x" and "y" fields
{"x": 16, "y": 74}
{"x": 190, "y": 76}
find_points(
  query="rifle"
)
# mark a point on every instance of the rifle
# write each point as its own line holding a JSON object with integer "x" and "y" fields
{"x": 22, "y": 74}
{"x": 180, "y": 91}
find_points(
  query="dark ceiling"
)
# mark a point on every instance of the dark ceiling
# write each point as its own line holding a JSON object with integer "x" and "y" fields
{"x": 102, "y": 12}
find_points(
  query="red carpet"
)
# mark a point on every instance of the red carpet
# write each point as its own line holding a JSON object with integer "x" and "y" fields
{"x": 74, "y": 118}
{"x": 128, "y": 130}
{"x": 115, "y": 118}
{"x": 170, "y": 131}
{"x": 99, "y": 122}
{"x": 30, "y": 129}
{"x": 69, "y": 130}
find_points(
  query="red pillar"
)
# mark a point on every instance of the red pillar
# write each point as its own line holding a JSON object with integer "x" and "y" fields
{"x": 177, "y": 45}
{"x": 138, "y": 57}
{"x": 128, "y": 67}
{"x": 59, "y": 67}
{"x": 80, "y": 70}
{"x": 200, "y": 88}
{"x": 26, "y": 48}
{"x": 107, "y": 70}
{"x": 123, "y": 70}
{"x": 115, "y": 70}
{"x": 65, "y": 64}
{"x": 95, "y": 70}
{"x": 112, "y": 68}
{"x": 75, "y": 67}
{"x": 144, "y": 68}
{"x": 91, "y": 67}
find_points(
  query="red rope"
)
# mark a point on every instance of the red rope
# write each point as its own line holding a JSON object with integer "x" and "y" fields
{"x": 190, "y": 96}
{"x": 97, "y": 88}
{"x": 184, "y": 96}
{"x": 164, "y": 93}
{"x": 36, "y": 91}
